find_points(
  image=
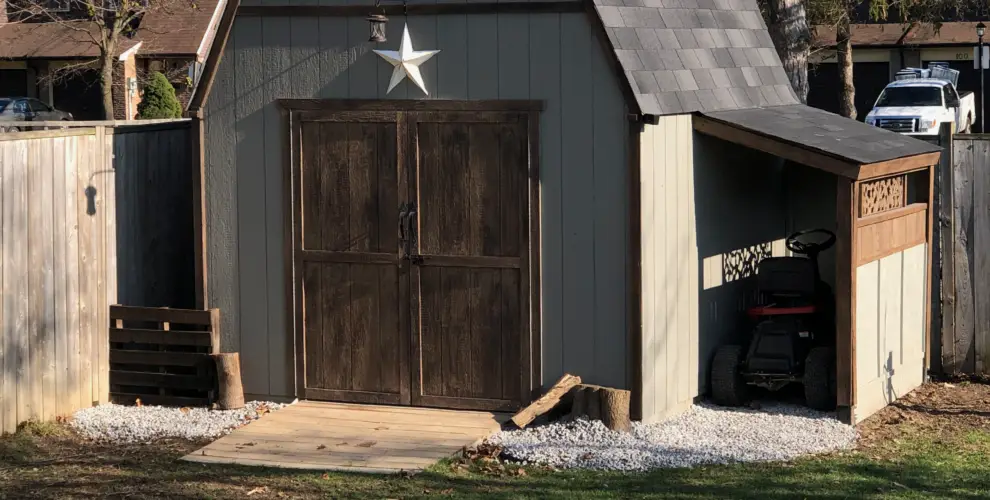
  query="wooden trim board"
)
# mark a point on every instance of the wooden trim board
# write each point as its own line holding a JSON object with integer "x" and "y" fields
{"x": 634, "y": 274}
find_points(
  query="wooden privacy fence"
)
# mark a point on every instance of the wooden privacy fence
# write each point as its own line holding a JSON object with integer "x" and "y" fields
{"x": 63, "y": 197}
{"x": 58, "y": 265}
{"x": 965, "y": 265}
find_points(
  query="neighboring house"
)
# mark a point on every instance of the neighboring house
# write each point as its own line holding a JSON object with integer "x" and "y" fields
{"x": 174, "y": 41}
{"x": 881, "y": 50}
{"x": 571, "y": 188}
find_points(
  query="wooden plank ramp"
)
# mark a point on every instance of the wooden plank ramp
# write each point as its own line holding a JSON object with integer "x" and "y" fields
{"x": 351, "y": 437}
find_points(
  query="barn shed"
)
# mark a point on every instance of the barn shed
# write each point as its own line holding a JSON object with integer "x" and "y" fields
{"x": 453, "y": 204}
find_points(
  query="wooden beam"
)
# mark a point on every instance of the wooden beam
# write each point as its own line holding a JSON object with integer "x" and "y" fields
{"x": 546, "y": 402}
{"x": 896, "y": 213}
{"x": 634, "y": 269}
{"x": 928, "y": 272}
{"x": 775, "y": 146}
{"x": 845, "y": 292}
{"x": 898, "y": 166}
{"x": 397, "y": 9}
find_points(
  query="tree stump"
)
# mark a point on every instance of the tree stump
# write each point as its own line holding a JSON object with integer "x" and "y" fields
{"x": 615, "y": 409}
{"x": 609, "y": 405}
{"x": 593, "y": 402}
{"x": 231, "y": 395}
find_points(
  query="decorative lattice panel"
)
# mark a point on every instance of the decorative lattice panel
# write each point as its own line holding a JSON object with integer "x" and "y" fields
{"x": 742, "y": 263}
{"x": 882, "y": 195}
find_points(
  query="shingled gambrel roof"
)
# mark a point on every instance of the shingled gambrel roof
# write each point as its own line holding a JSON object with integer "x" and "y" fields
{"x": 682, "y": 56}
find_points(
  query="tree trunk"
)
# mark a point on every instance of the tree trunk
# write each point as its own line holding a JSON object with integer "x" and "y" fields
{"x": 106, "y": 82}
{"x": 792, "y": 38}
{"x": 229, "y": 378}
{"x": 844, "y": 56}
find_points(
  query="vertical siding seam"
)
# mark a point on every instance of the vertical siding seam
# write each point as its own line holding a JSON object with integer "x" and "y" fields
{"x": 560, "y": 168}
{"x": 237, "y": 202}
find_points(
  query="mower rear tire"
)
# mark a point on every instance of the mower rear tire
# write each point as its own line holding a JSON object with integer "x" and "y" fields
{"x": 819, "y": 379}
{"x": 728, "y": 386}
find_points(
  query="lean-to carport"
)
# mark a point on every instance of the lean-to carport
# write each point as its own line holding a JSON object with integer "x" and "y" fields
{"x": 883, "y": 223}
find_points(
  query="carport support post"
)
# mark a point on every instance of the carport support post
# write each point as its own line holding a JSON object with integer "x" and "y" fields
{"x": 846, "y": 204}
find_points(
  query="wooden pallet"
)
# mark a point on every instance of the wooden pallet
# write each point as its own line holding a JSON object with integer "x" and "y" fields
{"x": 161, "y": 356}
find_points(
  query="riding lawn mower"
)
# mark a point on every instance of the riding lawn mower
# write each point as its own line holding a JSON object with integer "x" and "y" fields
{"x": 793, "y": 332}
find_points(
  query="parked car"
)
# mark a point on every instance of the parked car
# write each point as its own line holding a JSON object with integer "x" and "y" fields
{"x": 919, "y": 100}
{"x": 27, "y": 109}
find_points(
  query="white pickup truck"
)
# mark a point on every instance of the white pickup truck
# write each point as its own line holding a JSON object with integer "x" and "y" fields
{"x": 920, "y": 100}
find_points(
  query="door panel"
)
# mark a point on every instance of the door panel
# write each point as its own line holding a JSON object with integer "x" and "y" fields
{"x": 469, "y": 263}
{"x": 349, "y": 262}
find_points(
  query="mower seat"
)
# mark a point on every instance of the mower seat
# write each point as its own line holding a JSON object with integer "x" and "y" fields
{"x": 793, "y": 277}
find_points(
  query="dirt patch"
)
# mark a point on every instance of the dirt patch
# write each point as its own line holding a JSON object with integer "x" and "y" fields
{"x": 935, "y": 409}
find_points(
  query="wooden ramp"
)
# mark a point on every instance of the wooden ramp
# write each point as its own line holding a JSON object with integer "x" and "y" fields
{"x": 351, "y": 437}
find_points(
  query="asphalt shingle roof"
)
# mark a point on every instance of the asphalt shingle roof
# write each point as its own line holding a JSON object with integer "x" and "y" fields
{"x": 825, "y": 132}
{"x": 682, "y": 56}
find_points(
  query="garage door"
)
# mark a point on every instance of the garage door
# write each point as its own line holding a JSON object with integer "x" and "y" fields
{"x": 869, "y": 78}
{"x": 13, "y": 83}
{"x": 412, "y": 257}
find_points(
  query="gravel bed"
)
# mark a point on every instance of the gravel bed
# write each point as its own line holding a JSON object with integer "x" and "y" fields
{"x": 705, "y": 434}
{"x": 142, "y": 424}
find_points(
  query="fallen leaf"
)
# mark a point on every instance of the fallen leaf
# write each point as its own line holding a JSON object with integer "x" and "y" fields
{"x": 367, "y": 444}
{"x": 521, "y": 472}
{"x": 137, "y": 402}
{"x": 259, "y": 489}
{"x": 586, "y": 456}
{"x": 184, "y": 409}
{"x": 248, "y": 444}
{"x": 325, "y": 475}
{"x": 321, "y": 447}
{"x": 447, "y": 491}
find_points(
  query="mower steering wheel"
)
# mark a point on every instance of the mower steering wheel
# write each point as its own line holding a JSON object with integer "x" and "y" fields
{"x": 795, "y": 244}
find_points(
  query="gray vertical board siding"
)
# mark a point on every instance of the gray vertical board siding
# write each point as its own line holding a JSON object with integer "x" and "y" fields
{"x": 221, "y": 188}
{"x": 544, "y": 84}
{"x": 583, "y": 166}
{"x": 577, "y": 196}
{"x": 252, "y": 62}
{"x": 610, "y": 185}
{"x": 452, "y": 79}
{"x": 278, "y": 50}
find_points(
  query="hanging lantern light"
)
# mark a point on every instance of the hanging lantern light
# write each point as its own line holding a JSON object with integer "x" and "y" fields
{"x": 377, "y": 23}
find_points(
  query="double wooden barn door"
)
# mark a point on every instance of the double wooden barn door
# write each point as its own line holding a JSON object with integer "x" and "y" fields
{"x": 412, "y": 256}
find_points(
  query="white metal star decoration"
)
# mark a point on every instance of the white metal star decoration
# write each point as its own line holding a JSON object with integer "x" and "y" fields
{"x": 406, "y": 61}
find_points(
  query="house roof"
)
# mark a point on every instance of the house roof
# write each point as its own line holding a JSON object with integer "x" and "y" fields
{"x": 70, "y": 40}
{"x": 178, "y": 30}
{"x": 824, "y": 137}
{"x": 897, "y": 34}
{"x": 681, "y": 56}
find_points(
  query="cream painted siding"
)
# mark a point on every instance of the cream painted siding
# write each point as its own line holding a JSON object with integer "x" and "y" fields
{"x": 890, "y": 329}
{"x": 669, "y": 354}
{"x": 555, "y": 58}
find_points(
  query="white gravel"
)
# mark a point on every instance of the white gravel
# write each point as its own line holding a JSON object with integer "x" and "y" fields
{"x": 143, "y": 424}
{"x": 705, "y": 434}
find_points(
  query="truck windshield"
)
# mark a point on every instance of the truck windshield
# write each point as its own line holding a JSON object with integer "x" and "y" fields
{"x": 910, "y": 96}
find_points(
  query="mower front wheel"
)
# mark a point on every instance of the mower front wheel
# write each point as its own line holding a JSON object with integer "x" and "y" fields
{"x": 728, "y": 386}
{"x": 819, "y": 379}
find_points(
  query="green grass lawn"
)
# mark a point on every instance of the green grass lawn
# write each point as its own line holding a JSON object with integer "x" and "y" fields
{"x": 956, "y": 466}
{"x": 919, "y": 451}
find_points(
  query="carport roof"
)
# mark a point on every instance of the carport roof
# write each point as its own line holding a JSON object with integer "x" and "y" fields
{"x": 820, "y": 139}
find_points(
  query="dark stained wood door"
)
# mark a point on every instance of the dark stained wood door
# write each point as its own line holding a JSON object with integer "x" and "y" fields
{"x": 348, "y": 268}
{"x": 469, "y": 263}
{"x": 410, "y": 226}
